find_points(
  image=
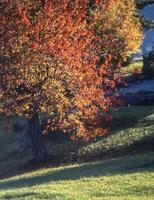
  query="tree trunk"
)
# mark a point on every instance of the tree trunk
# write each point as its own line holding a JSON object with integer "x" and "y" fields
{"x": 37, "y": 139}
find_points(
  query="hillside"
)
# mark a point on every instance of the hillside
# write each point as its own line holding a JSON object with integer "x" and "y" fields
{"x": 118, "y": 166}
{"x": 131, "y": 132}
{"x": 128, "y": 178}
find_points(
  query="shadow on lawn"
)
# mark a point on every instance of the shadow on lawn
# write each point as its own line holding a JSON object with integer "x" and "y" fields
{"x": 118, "y": 166}
{"x": 36, "y": 195}
{"x": 9, "y": 196}
{"x": 129, "y": 117}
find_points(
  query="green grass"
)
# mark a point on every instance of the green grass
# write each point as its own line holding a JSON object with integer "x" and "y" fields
{"x": 131, "y": 132}
{"x": 132, "y": 68}
{"x": 127, "y": 173}
{"x": 129, "y": 178}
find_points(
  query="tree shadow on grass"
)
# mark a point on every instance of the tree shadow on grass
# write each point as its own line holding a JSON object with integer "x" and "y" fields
{"x": 129, "y": 117}
{"x": 112, "y": 167}
{"x": 32, "y": 195}
{"x": 17, "y": 196}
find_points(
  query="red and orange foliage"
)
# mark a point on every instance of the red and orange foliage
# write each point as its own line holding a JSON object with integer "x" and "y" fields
{"x": 61, "y": 58}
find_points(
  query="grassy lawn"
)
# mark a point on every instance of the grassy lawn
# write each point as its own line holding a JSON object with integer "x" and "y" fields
{"x": 130, "y": 178}
{"x": 131, "y": 131}
{"x": 118, "y": 166}
{"x": 132, "y": 67}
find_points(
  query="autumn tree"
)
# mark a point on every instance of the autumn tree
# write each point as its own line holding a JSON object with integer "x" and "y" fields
{"x": 60, "y": 59}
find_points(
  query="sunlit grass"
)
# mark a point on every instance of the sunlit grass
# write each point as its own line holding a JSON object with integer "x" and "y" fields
{"x": 132, "y": 68}
{"x": 131, "y": 132}
{"x": 124, "y": 178}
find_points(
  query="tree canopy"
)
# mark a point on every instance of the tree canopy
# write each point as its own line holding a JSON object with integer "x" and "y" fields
{"x": 61, "y": 59}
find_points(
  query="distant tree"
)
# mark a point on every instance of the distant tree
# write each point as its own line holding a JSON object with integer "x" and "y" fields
{"x": 146, "y": 23}
{"x": 123, "y": 22}
{"x": 60, "y": 59}
{"x": 142, "y": 3}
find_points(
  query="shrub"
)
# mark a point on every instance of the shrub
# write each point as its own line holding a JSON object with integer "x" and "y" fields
{"x": 148, "y": 64}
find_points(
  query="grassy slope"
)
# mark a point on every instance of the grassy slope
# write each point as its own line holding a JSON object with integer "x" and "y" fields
{"x": 132, "y": 67}
{"x": 130, "y": 178}
{"x": 132, "y": 131}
